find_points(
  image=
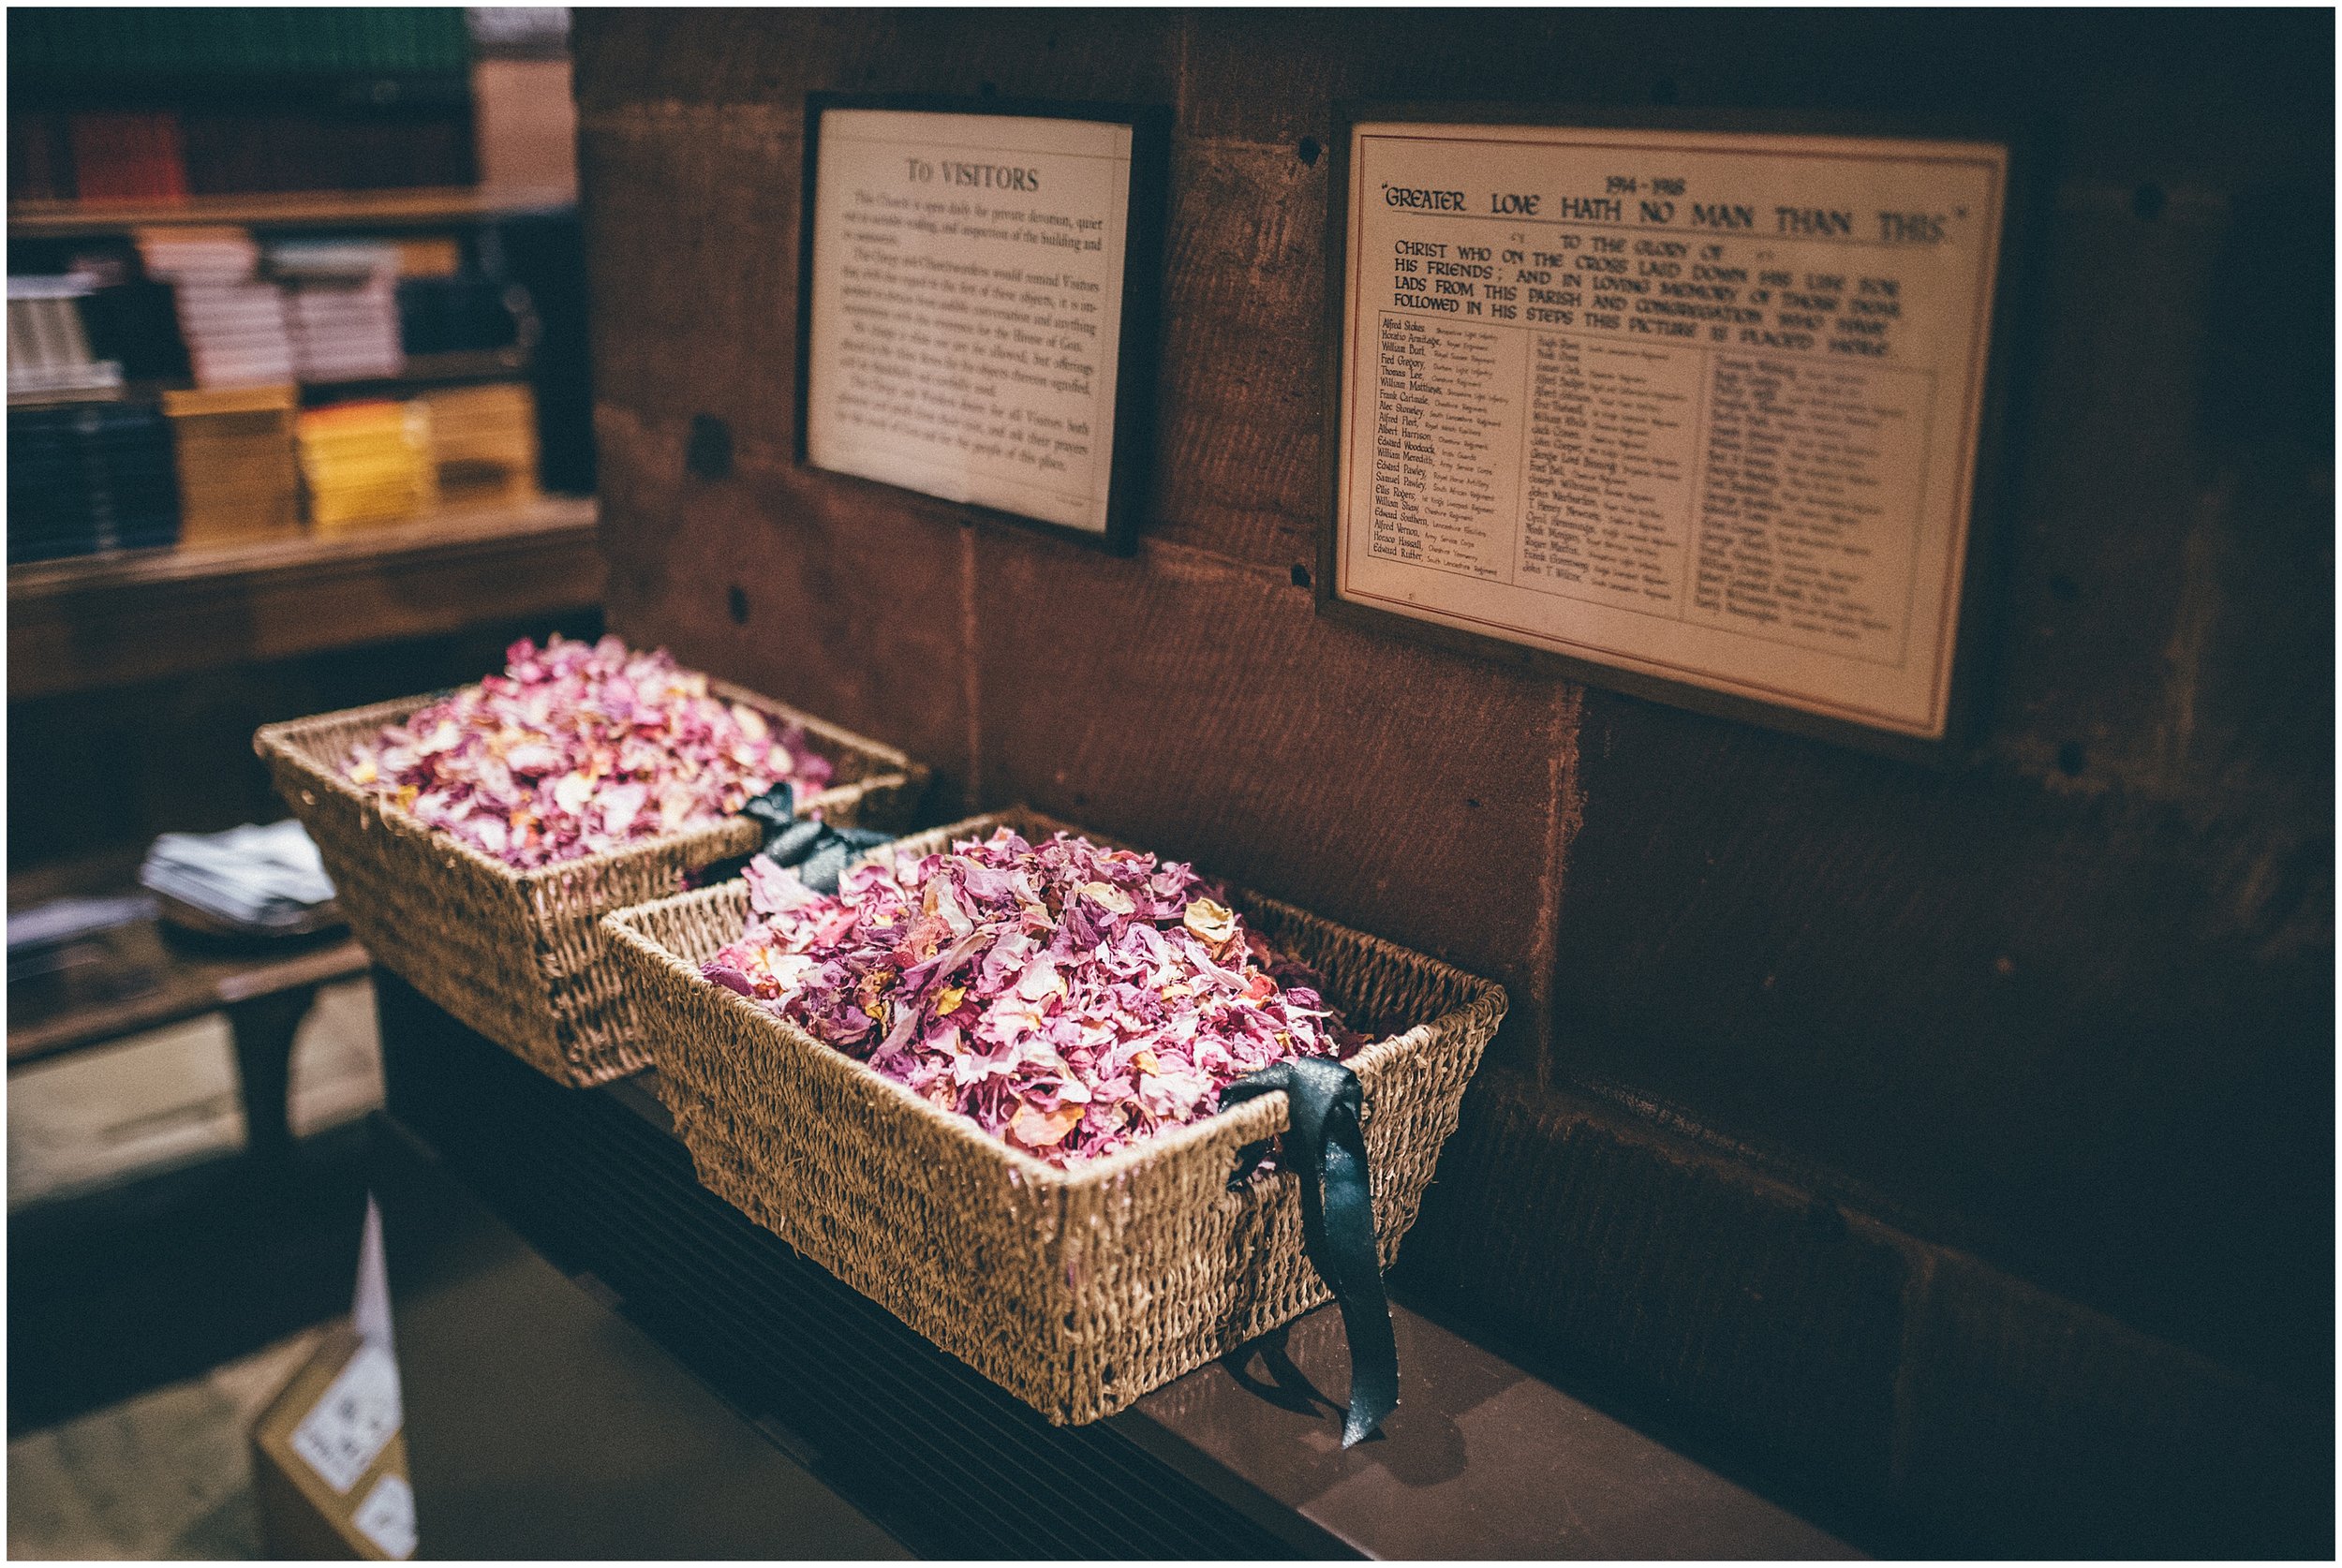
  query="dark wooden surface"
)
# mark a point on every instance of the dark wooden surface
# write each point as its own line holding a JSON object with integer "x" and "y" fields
{"x": 178, "y": 986}
{"x": 113, "y": 620}
{"x": 522, "y": 1387}
{"x": 1481, "y": 1460}
{"x": 1935, "y": 1077}
{"x": 140, "y": 977}
{"x": 144, "y": 975}
{"x": 540, "y": 1424}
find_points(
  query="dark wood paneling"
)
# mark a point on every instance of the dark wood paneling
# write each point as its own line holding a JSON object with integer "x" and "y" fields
{"x": 1243, "y": 373}
{"x": 2066, "y": 1004}
{"x": 112, "y": 621}
{"x": 1739, "y": 1305}
{"x": 847, "y": 610}
{"x": 709, "y": 320}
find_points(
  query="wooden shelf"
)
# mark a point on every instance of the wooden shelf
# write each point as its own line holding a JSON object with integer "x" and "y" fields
{"x": 426, "y": 371}
{"x": 422, "y": 372}
{"x": 331, "y": 209}
{"x": 168, "y": 986}
{"x": 100, "y": 621}
{"x": 140, "y": 976}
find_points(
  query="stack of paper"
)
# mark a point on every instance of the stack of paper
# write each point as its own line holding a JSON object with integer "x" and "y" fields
{"x": 35, "y": 934}
{"x": 85, "y": 478}
{"x": 48, "y": 346}
{"x": 365, "y": 462}
{"x": 483, "y": 444}
{"x": 232, "y": 321}
{"x": 236, "y": 475}
{"x": 264, "y": 879}
{"x": 342, "y": 304}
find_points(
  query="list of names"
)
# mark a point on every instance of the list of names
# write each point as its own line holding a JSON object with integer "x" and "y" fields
{"x": 1656, "y": 397}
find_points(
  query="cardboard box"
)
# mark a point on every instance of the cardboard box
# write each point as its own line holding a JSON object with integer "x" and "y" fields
{"x": 329, "y": 1460}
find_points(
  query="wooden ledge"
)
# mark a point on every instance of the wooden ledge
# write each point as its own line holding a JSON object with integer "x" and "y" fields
{"x": 420, "y": 206}
{"x": 100, "y": 621}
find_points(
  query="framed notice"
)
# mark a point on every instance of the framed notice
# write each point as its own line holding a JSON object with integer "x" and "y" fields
{"x": 1692, "y": 414}
{"x": 979, "y": 281}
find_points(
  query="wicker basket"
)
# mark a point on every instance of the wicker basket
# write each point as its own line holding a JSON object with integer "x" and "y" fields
{"x": 1076, "y": 1291}
{"x": 519, "y": 955}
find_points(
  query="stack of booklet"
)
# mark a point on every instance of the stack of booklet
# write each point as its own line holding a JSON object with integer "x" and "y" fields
{"x": 41, "y": 938}
{"x": 365, "y": 462}
{"x": 49, "y": 347}
{"x": 341, "y": 300}
{"x": 261, "y": 879}
{"x": 85, "y": 478}
{"x": 233, "y": 321}
{"x": 236, "y": 477}
{"x": 483, "y": 443}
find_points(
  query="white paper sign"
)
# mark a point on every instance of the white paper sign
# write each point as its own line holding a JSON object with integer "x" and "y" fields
{"x": 357, "y": 1416}
{"x": 1699, "y": 405}
{"x": 387, "y": 1517}
{"x": 967, "y": 307}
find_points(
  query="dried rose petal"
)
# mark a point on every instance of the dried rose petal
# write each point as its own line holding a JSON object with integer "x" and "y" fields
{"x": 1066, "y": 999}
{"x": 1109, "y": 896}
{"x": 1212, "y": 922}
{"x": 579, "y": 749}
{"x": 1038, "y": 1130}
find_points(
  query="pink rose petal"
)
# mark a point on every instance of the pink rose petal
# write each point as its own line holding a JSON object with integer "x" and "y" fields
{"x": 1068, "y": 999}
{"x": 579, "y": 748}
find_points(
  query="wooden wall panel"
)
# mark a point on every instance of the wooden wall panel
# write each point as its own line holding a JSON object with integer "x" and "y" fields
{"x": 792, "y": 585}
{"x": 2062, "y": 1012}
{"x": 710, "y": 325}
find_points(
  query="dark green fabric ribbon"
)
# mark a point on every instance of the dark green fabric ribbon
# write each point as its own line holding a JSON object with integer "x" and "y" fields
{"x": 818, "y": 853}
{"x": 1327, "y": 1149}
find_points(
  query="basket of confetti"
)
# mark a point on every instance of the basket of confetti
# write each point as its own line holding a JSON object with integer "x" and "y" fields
{"x": 476, "y": 838}
{"x": 981, "y": 1083}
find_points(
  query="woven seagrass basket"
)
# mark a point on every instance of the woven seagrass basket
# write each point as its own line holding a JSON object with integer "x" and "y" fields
{"x": 1078, "y": 1291}
{"x": 519, "y": 955}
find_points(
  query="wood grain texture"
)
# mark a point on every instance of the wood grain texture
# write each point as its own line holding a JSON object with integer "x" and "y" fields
{"x": 710, "y": 320}
{"x": 74, "y": 626}
{"x": 1240, "y": 452}
{"x": 791, "y": 582}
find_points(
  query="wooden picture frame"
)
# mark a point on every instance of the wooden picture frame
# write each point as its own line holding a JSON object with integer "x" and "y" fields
{"x": 1974, "y": 567}
{"x": 1132, "y": 353}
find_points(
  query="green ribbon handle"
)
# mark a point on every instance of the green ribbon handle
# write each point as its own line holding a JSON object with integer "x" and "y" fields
{"x": 818, "y": 853}
{"x": 1327, "y": 1147}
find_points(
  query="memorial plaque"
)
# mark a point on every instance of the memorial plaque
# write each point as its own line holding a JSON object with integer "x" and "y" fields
{"x": 1695, "y": 413}
{"x": 976, "y": 282}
